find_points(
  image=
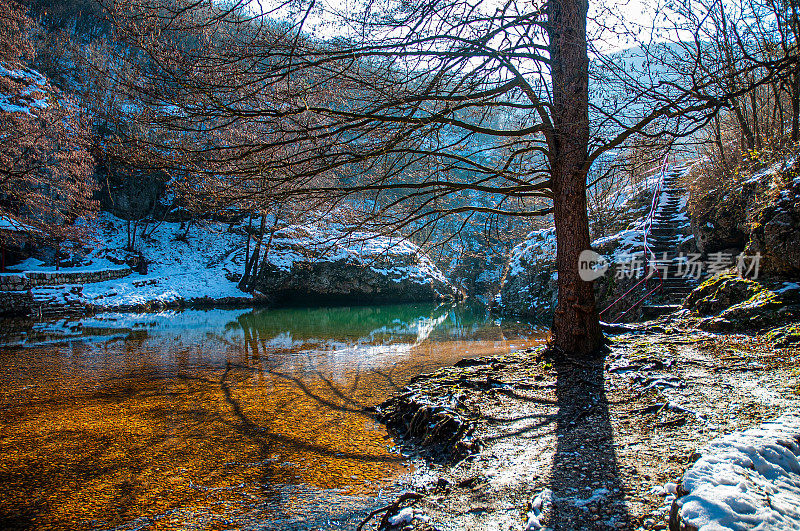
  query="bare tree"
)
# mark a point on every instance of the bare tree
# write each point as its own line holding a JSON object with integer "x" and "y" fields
{"x": 408, "y": 111}
{"x": 46, "y": 180}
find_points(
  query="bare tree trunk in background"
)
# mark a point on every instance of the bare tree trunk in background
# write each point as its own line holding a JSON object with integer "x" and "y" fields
{"x": 267, "y": 247}
{"x": 777, "y": 110}
{"x": 133, "y": 234}
{"x": 576, "y": 325}
{"x": 756, "y": 119}
{"x": 247, "y": 249}
{"x": 796, "y": 104}
{"x": 244, "y": 283}
{"x": 748, "y": 140}
{"x": 718, "y": 141}
{"x": 794, "y": 83}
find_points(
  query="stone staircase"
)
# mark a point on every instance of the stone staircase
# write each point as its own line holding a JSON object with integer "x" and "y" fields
{"x": 667, "y": 240}
{"x": 57, "y": 301}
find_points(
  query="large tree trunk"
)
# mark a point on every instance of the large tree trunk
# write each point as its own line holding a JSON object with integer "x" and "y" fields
{"x": 576, "y": 326}
{"x": 795, "y": 95}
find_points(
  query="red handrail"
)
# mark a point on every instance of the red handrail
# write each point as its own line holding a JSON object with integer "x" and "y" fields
{"x": 651, "y": 257}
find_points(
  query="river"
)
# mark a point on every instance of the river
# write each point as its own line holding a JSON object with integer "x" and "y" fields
{"x": 219, "y": 419}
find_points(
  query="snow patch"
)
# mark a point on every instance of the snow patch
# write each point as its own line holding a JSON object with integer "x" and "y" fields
{"x": 204, "y": 261}
{"x": 746, "y": 480}
{"x": 538, "y": 245}
{"x": 24, "y": 101}
{"x": 539, "y": 505}
{"x": 788, "y": 286}
{"x": 12, "y": 225}
{"x": 406, "y": 516}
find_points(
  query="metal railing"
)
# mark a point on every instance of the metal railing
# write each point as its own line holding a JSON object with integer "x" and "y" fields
{"x": 650, "y": 257}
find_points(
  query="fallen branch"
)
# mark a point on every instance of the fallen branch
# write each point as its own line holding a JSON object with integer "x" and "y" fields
{"x": 388, "y": 509}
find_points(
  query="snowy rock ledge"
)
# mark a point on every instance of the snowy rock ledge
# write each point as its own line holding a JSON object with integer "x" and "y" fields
{"x": 307, "y": 263}
{"x": 744, "y": 480}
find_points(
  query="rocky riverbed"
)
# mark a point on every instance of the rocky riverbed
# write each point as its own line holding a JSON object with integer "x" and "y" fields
{"x": 532, "y": 440}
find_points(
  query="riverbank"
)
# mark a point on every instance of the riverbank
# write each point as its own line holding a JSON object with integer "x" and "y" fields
{"x": 568, "y": 444}
{"x": 200, "y": 265}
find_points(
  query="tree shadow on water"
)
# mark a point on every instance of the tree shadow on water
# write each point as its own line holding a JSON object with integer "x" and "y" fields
{"x": 585, "y": 477}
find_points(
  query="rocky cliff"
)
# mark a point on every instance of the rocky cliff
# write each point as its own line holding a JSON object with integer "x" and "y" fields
{"x": 311, "y": 265}
{"x": 757, "y": 212}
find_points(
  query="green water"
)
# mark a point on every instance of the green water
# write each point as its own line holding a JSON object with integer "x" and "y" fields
{"x": 246, "y": 419}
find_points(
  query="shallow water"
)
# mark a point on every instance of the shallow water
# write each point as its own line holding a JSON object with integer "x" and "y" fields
{"x": 218, "y": 419}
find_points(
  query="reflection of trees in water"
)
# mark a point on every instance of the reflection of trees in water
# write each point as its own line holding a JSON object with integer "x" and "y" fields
{"x": 346, "y": 324}
{"x": 235, "y": 409}
{"x": 354, "y": 357}
{"x": 337, "y": 327}
{"x": 291, "y": 328}
{"x": 320, "y": 385}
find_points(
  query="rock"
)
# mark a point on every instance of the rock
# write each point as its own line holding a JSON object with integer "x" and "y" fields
{"x": 529, "y": 286}
{"x": 736, "y": 304}
{"x": 721, "y": 292}
{"x": 437, "y": 429}
{"x": 721, "y": 229}
{"x": 776, "y": 232}
{"x": 756, "y": 212}
{"x": 784, "y": 336}
{"x": 305, "y": 263}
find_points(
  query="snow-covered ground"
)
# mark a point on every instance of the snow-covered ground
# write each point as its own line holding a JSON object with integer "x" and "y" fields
{"x": 30, "y": 94}
{"x": 178, "y": 270}
{"x": 746, "y": 480}
{"x": 206, "y": 261}
{"x": 538, "y": 245}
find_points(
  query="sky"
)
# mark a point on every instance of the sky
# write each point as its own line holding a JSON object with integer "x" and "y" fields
{"x": 613, "y": 25}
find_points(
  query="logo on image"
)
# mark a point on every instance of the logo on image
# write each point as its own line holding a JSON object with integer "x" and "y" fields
{"x": 591, "y": 265}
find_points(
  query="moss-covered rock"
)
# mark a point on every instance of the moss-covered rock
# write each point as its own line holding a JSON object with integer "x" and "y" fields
{"x": 731, "y": 303}
{"x": 784, "y": 336}
{"x": 721, "y": 292}
{"x": 763, "y": 310}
